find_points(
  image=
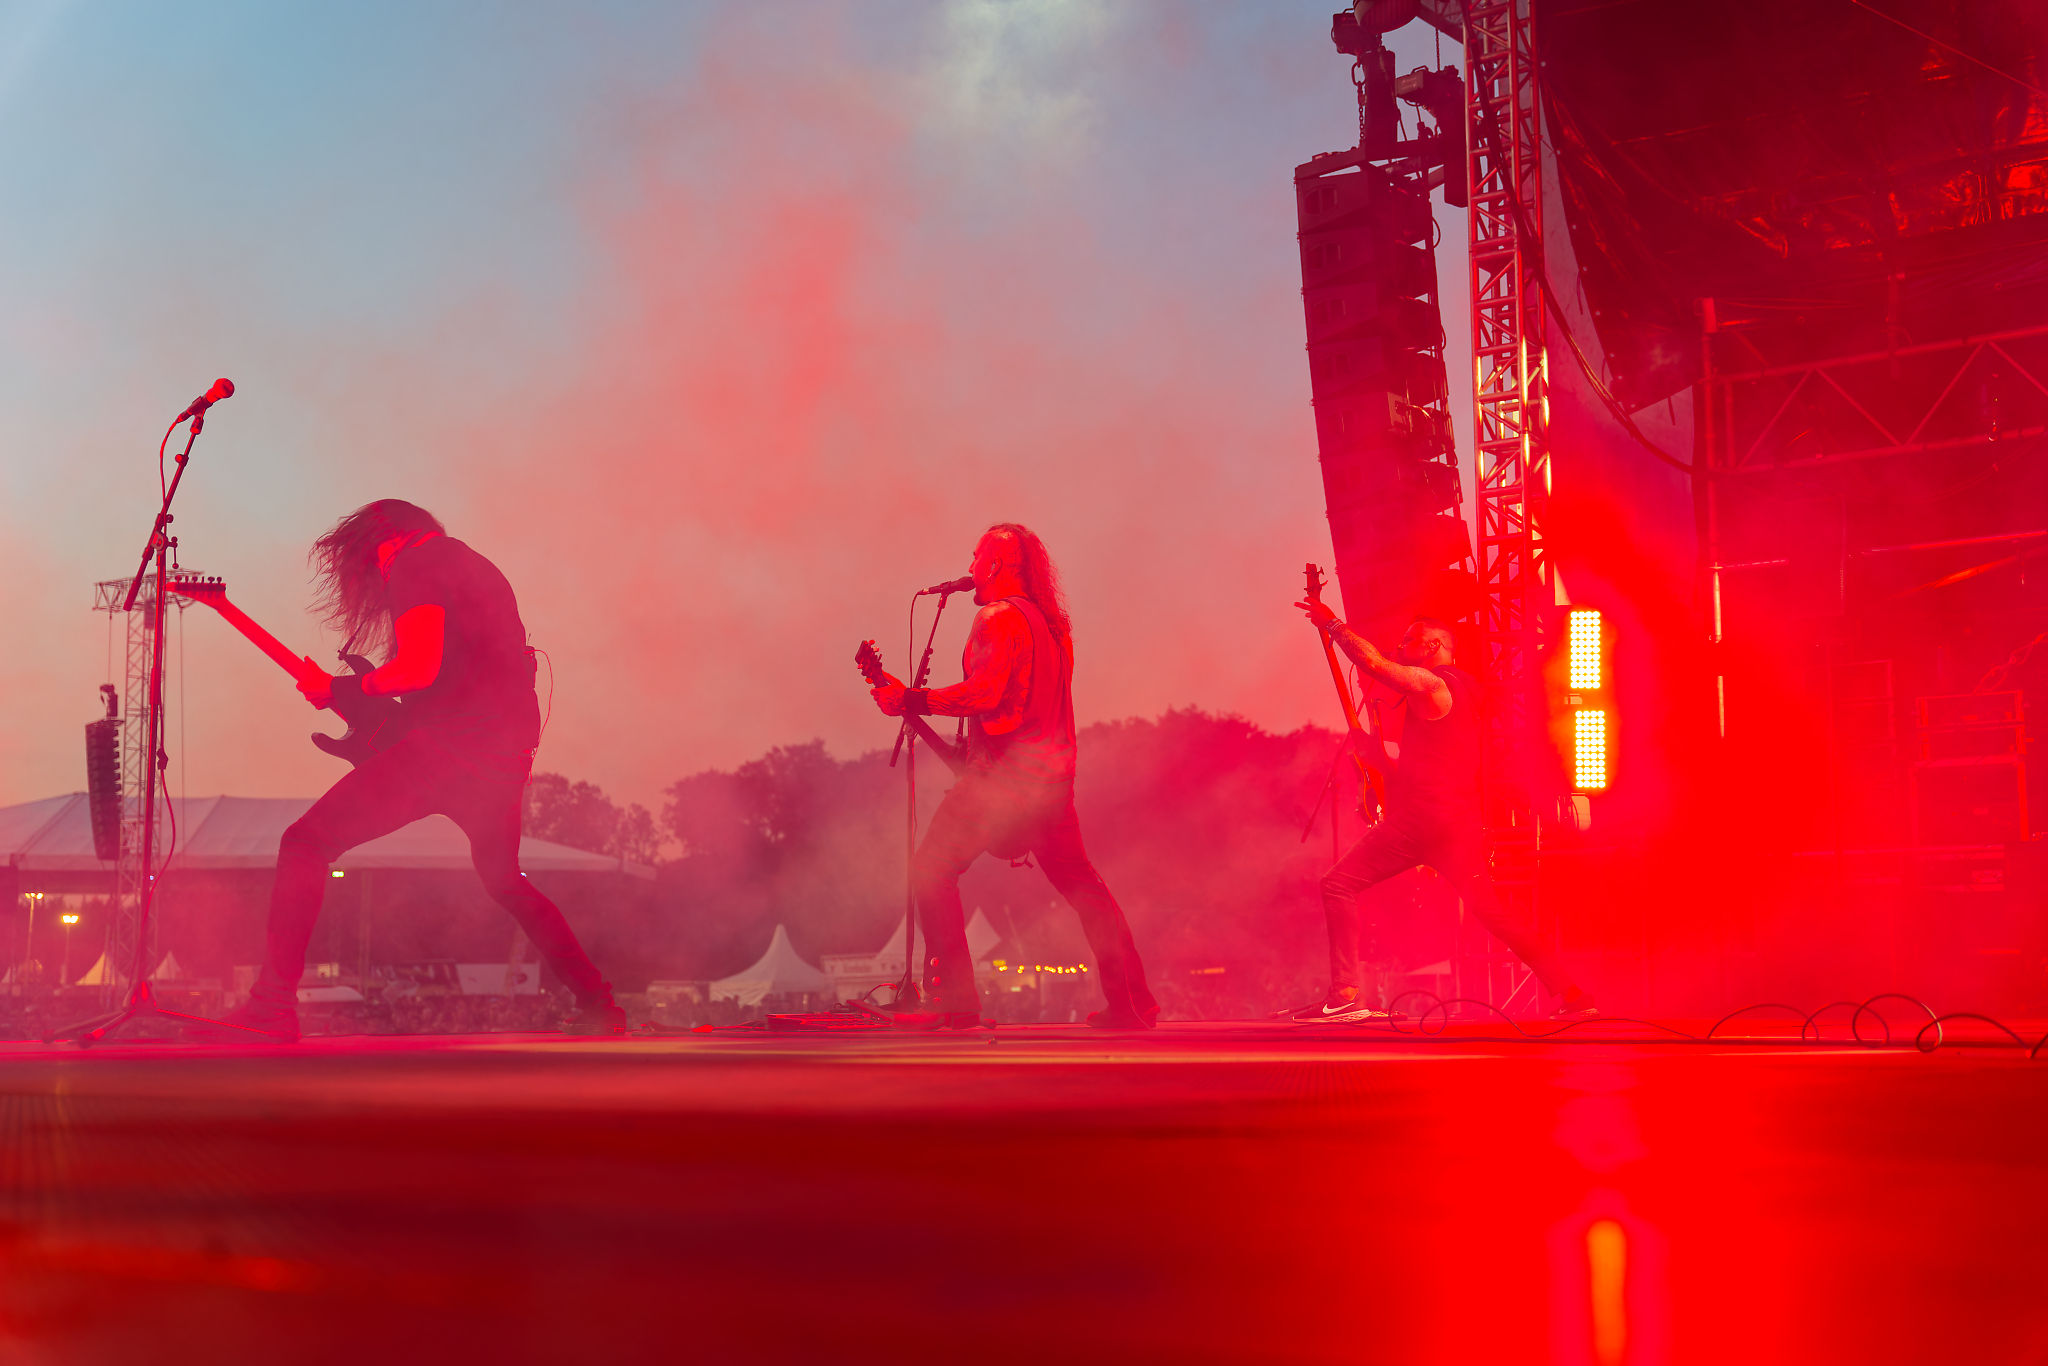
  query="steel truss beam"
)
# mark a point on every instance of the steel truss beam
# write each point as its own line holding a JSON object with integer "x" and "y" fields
{"x": 136, "y": 784}
{"x": 1904, "y": 401}
{"x": 1511, "y": 448}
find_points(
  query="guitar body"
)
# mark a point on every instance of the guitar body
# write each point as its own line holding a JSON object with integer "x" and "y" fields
{"x": 379, "y": 720}
{"x": 377, "y": 729}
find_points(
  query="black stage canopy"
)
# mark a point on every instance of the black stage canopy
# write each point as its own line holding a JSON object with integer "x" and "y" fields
{"x": 1838, "y": 175}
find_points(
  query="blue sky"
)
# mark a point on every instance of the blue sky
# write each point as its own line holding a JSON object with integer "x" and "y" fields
{"x": 718, "y": 326}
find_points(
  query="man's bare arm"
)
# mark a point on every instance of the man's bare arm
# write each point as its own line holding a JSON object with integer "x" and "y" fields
{"x": 1432, "y": 695}
{"x": 999, "y": 636}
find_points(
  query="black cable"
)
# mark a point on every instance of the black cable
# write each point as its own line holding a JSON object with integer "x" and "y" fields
{"x": 1810, "y": 1020}
{"x": 1809, "y": 1027}
{"x": 1761, "y": 1005}
{"x": 1940, "y": 1035}
{"x": 1854, "y": 1020}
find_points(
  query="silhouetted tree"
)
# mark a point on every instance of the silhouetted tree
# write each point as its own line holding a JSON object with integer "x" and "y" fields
{"x": 581, "y": 816}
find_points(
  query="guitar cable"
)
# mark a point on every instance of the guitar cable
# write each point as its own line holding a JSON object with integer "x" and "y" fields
{"x": 549, "y": 713}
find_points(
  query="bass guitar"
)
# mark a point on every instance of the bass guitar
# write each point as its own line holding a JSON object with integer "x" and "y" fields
{"x": 1372, "y": 784}
{"x": 869, "y": 661}
{"x": 382, "y": 720}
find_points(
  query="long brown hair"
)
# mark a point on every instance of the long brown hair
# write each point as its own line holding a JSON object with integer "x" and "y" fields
{"x": 1041, "y": 580}
{"x": 352, "y": 599}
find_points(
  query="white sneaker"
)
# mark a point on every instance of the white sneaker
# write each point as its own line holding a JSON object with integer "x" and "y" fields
{"x": 1334, "y": 1009}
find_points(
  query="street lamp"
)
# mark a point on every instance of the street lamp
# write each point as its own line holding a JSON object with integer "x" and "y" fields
{"x": 34, "y": 900}
{"x": 70, "y": 919}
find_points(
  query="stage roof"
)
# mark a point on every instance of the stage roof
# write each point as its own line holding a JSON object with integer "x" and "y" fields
{"x": 1839, "y": 177}
{"x": 54, "y": 835}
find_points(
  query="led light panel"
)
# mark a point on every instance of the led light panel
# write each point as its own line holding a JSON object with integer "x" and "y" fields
{"x": 1584, "y": 643}
{"x": 1589, "y": 750}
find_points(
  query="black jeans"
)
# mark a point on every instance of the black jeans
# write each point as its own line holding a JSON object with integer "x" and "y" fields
{"x": 1394, "y": 846}
{"x": 419, "y": 776}
{"x": 980, "y": 814}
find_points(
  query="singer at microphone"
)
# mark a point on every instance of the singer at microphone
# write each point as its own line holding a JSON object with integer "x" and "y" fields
{"x": 1016, "y": 788}
{"x": 222, "y": 388}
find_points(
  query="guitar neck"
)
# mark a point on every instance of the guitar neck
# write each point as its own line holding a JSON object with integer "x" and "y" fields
{"x": 260, "y": 638}
{"x": 1351, "y": 717}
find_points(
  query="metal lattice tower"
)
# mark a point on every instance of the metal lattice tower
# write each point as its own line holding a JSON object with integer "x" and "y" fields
{"x": 1511, "y": 447}
{"x": 108, "y": 596}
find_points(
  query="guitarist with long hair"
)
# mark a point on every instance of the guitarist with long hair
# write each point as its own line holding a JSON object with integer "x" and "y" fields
{"x": 1016, "y": 792}
{"x": 392, "y": 581}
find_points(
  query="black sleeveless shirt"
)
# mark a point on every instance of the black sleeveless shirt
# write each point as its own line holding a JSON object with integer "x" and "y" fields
{"x": 484, "y": 696}
{"x": 1436, "y": 781}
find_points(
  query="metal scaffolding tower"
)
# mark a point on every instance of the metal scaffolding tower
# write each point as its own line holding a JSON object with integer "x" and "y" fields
{"x": 1511, "y": 447}
{"x": 136, "y": 774}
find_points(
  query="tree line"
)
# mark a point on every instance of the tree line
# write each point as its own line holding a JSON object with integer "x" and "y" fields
{"x": 1196, "y": 820}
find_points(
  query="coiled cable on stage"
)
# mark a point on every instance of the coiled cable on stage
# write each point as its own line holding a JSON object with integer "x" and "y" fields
{"x": 1810, "y": 1026}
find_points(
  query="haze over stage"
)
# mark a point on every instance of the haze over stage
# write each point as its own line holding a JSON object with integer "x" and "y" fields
{"x": 1205, "y": 1194}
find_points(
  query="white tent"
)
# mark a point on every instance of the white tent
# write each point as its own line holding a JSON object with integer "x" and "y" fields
{"x": 854, "y": 974}
{"x": 29, "y": 971}
{"x": 780, "y": 972}
{"x": 981, "y": 937}
{"x": 54, "y": 836}
{"x": 168, "y": 969}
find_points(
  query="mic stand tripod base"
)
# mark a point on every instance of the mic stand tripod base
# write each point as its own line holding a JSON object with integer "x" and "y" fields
{"x": 142, "y": 1005}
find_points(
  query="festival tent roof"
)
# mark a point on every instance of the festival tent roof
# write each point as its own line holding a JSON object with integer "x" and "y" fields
{"x": 981, "y": 940}
{"x": 99, "y": 974}
{"x": 54, "y": 835}
{"x": 780, "y": 972}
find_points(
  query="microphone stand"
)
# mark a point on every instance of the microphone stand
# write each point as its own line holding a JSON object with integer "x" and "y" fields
{"x": 907, "y": 990}
{"x": 141, "y": 997}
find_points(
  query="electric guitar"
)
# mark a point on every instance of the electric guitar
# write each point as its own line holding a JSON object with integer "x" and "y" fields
{"x": 869, "y": 661}
{"x": 1372, "y": 784}
{"x": 383, "y": 719}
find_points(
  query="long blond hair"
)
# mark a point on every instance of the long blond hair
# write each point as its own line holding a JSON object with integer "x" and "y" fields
{"x": 1041, "y": 580}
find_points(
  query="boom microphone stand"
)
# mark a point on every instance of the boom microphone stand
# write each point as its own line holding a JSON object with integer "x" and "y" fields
{"x": 907, "y": 992}
{"x": 141, "y": 998}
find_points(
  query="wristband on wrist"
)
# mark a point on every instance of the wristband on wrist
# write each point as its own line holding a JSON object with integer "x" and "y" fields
{"x": 917, "y": 702}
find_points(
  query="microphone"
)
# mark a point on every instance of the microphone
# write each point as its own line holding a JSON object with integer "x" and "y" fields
{"x": 222, "y": 388}
{"x": 960, "y": 585}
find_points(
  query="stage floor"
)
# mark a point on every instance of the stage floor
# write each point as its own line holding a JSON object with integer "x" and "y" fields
{"x": 1204, "y": 1193}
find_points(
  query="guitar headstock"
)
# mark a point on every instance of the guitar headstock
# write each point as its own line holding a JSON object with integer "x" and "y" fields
{"x": 1313, "y": 581}
{"x": 211, "y": 591}
{"x": 869, "y": 661}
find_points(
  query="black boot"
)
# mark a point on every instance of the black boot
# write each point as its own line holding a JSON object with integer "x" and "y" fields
{"x": 270, "y": 1015}
{"x": 600, "y": 1015}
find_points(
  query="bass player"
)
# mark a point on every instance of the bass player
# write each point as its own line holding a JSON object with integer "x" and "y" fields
{"x": 390, "y": 575}
{"x": 1016, "y": 792}
{"x": 1432, "y": 817}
